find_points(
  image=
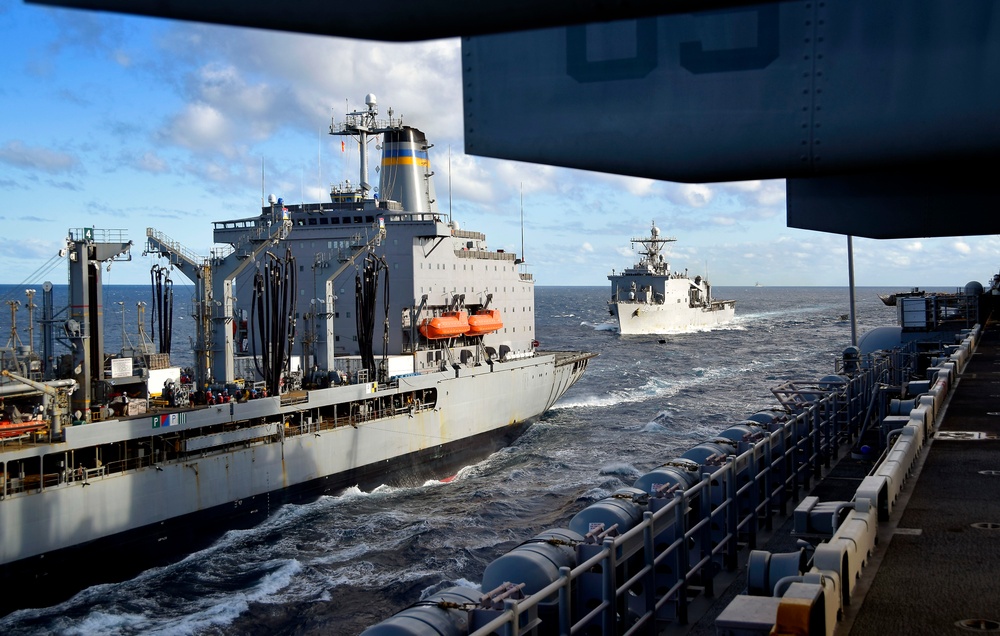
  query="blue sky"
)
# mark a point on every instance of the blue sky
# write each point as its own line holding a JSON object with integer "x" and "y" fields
{"x": 124, "y": 122}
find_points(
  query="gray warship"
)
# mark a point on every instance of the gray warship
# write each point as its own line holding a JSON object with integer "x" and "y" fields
{"x": 648, "y": 298}
{"x": 372, "y": 341}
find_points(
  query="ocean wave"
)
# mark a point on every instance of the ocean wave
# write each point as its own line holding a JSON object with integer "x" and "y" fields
{"x": 600, "y": 326}
{"x": 656, "y": 387}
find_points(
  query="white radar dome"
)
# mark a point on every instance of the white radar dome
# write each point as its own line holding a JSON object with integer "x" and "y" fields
{"x": 656, "y": 231}
{"x": 370, "y": 99}
{"x": 272, "y": 199}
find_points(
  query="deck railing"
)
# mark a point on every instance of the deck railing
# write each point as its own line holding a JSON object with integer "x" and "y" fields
{"x": 645, "y": 578}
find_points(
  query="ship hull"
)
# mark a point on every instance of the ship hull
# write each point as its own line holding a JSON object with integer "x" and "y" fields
{"x": 636, "y": 318}
{"x": 60, "y": 538}
{"x": 51, "y": 577}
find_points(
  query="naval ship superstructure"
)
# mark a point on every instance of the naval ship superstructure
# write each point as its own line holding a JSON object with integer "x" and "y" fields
{"x": 364, "y": 341}
{"x": 648, "y": 298}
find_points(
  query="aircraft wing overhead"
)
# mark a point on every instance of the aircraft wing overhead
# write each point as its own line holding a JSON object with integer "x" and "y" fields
{"x": 394, "y": 20}
{"x": 793, "y": 89}
{"x": 863, "y": 105}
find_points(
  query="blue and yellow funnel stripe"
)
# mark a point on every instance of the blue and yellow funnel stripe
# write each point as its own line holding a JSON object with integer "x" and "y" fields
{"x": 405, "y": 157}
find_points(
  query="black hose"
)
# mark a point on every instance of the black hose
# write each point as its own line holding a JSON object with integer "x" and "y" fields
{"x": 365, "y": 299}
{"x": 161, "y": 320}
{"x": 152, "y": 287}
{"x": 273, "y": 302}
{"x": 168, "y": 318}
{"x": 256, "y": 319}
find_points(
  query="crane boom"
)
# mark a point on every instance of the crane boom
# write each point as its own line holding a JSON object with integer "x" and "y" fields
{"x": 60, "y": 390}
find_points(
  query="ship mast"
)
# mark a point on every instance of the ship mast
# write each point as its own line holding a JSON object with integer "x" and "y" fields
{"x": 653, "y": 244}
{"x": 364, "y": 124}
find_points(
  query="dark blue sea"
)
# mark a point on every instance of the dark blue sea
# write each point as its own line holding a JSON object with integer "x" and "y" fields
{"x": 340, "y": 564}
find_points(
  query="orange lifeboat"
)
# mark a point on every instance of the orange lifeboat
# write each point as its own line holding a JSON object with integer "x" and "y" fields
{"x": 484, "y": 321}
{"x": 448, "y": 325}
{"x": 10, "y": 429}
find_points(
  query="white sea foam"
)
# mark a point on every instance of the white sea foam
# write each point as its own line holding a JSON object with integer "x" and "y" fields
{"x": 101, "y": 622}
{"x": 620, "y": 469}
{"x": 652, "y": 388}
{"x": 653, "y": 427}
{"x": 605, "y": 326}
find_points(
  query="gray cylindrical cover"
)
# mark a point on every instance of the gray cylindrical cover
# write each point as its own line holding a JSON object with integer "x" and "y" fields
{"x": 535, "y": 563}
{"x": 610, "y": 511}
{"x": 428, "y": 619}
{"x": 669, "y": 476}
{"x": 703, "y": 451}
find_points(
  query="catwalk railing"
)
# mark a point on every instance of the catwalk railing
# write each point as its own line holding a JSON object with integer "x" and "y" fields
{"x": 633, "y": 563}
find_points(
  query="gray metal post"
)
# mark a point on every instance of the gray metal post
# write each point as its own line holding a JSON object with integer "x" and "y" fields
{"x": 850, "y": 279}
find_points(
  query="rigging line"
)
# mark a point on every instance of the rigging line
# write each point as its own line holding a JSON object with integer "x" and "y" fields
{"x": 40, "y": 271}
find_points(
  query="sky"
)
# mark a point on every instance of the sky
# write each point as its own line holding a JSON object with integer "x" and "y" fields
{"x": 124, "y": 122}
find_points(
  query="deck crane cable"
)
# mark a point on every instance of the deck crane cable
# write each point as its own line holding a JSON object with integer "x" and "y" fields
{"x": 40, "y": 272}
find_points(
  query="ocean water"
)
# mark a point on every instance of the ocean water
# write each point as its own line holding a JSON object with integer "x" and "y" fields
{"x": 345, "y": 562}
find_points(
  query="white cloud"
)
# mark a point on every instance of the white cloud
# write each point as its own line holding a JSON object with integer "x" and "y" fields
{"x": 151, "y": 162}
{"x": 306, "y": 79}
{"x": 962, "y": 247}
{"x": 28, "y": 248}
{"x": 896, "y": 259}
{"x": 470, "y": 179}
{"x": 746, "y": 186}
{"x": 721, "y": 219}
{"x": 772, "y": 193}
{"x": 640, "y": 187}
{"x": 756, "y": 193}
{"x": 697, "y": 195}
{"x": 533, "y": 178}
{"x": 202, "y": 128}
{"x": 122, "y": 58}
{"x": 20, "y": 155}
{"x": 587, "y": 247}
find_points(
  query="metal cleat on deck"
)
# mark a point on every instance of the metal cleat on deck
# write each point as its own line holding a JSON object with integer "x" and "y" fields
{"x": 816, "y": 521}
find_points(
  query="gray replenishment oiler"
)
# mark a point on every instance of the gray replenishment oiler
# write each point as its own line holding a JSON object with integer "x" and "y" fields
{"x": 307, "y": 381}
{"x": 648, "y": 298}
